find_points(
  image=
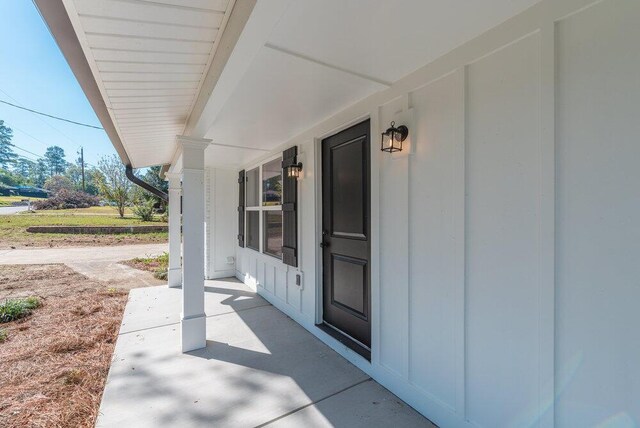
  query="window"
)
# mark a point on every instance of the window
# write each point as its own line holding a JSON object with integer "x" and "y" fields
{"x": 272, "y": 183}
{"x": 263, "y": 224}
{"x": 253, "y": 230}
{"x": 273, "y": 233}
{"x": 253, "y": 189}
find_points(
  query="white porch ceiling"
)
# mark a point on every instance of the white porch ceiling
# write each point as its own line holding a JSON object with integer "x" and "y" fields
{"x": 149, "y": 59}
{"x": 316, "y": 57}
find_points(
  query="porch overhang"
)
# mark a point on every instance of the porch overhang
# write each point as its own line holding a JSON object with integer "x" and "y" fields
{"x": 147, "y": 68}
{"x": 502, "y": 276}
{"x": 250, "y": 76}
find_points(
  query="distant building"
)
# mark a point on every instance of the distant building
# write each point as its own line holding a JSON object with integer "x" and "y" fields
{"x": 26, "y": 191}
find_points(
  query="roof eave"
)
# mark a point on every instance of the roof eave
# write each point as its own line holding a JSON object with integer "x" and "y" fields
{"x": 57, "y": 20}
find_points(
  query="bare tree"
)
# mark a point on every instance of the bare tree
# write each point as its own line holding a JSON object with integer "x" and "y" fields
{"x": 113, "y": 182}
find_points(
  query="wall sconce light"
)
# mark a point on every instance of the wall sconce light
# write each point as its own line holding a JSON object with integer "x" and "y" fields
{"x": 393, "y": 137}
{"x": 294, "y": 170}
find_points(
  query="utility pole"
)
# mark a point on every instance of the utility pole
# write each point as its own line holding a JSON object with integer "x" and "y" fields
{"x": 82, "y": 166}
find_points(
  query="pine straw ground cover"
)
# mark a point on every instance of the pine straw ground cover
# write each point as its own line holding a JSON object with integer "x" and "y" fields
{"x": 54, "y": 362}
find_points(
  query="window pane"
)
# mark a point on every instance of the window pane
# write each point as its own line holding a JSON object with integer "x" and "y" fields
{"x": 253, "y": 189}
{"x": 273, "y": 233}
{"x": 272, "y": 182}
{"x": 253, "y": 230}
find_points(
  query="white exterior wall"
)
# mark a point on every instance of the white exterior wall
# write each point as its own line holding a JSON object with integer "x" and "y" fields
{"x": 221, "y": 199}
{"x": 507, "y": 294}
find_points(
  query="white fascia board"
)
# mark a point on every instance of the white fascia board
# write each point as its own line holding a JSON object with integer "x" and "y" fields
{"x": 62, "y": 22}
{"x": 72, "y": 12}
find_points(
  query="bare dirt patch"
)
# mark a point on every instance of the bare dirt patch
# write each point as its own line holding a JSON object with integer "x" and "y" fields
{"x": 56, "y": 240}
{"x": 55, "y": 361}
{"x": 158, "y": 265}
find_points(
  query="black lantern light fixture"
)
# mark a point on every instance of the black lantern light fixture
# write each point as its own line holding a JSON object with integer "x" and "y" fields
{"x": 393, "y": 137}
{"x": 294, "y": 170}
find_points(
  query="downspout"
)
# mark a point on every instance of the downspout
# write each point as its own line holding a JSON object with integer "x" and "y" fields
{"x": 146, "y": 186}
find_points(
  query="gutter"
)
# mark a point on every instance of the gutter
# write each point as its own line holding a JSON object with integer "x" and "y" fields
{"x": 146, "y": 186}
{"x": 164, "y": 170}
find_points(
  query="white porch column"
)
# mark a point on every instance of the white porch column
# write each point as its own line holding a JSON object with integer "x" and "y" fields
{"x": 193, "y": 319}
{"x": 175, "y": 235}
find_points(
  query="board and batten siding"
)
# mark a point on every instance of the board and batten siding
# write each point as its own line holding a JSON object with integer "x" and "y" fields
{"x": 221, "y": 198}
{"x": 505, "y": 274}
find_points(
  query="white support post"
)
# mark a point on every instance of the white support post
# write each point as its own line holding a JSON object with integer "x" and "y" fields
{"x": 175, "y": 235}
{"x": 193, "y": 320}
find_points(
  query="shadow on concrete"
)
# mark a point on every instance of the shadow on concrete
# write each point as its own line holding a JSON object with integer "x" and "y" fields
{"x": 259, "y": 367}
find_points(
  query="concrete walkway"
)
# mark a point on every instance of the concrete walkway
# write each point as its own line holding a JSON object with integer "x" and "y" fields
{"x": 13, "y": 210}
{"x": 98, "y": 263}
{"x": 259, "y": 368}
{"x": 113, "y": 253}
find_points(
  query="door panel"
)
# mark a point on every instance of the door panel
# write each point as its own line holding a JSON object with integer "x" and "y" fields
{"x": 346, "y": 226}
{"x": 347, "y": 196}
{"x": 349, "y": 278}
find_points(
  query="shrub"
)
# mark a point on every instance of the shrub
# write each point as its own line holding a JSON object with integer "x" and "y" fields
{"x": 66, "y": 199}
{"x": 57, "y": 183}
{"x": 144, "y": 210}
{"x": 161, "y": 275}
{"x": 3, "y": 335}
{"x": 13, "y": 309}
{"x": 162, "y": 266}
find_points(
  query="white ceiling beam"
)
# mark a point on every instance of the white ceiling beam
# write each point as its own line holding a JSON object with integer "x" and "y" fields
{"x": 326, "y": 64}
{"x": 238, "y": 56}
{"x": 240, "y": 147}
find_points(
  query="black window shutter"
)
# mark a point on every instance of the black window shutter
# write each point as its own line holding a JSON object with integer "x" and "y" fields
{"x": 241, "y": 208}
{"x": 289, "y": 208}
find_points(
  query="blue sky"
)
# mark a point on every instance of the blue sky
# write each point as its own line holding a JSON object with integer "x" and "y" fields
{"x": 34, "y": 74}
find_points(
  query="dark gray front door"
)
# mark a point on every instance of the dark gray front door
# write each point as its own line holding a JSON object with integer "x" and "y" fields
{"x": 345, "y": 229}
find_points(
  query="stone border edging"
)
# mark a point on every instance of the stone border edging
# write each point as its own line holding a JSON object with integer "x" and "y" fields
{"x": 97, "y": 230}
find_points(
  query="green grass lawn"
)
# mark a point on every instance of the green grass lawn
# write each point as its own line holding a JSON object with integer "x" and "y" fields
{"x": 93, "y": 216}
{"x": 7, "y": 201}
{"x": 91, "y": 211}
{"x": 13, "y": 228}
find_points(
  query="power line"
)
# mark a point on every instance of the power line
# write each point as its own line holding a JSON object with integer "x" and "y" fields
{"x": 26, "y": 157}
{"x": 49, "y": 125}
{"x": 27, "y": 151}
{"x": 42, "y": 120}
{"x": 35, "y": 154}
{"x": 30, "y": 136}
{"x": 51, "y": 116}
{"x": 41, "y": 156}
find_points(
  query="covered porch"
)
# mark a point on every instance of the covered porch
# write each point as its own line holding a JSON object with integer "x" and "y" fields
{"x": 488, "y": 272}
{"x": 259, "y": 368}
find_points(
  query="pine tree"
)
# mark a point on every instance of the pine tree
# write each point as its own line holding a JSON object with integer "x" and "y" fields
{"x": 56, "y": 160}
{"x": 24, "y": 167}
{"x": 40, "y": 173}
{"x": 7, "y": 156}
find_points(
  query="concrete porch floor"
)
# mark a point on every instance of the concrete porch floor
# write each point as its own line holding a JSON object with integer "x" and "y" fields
{"x": 259, "y": 368}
